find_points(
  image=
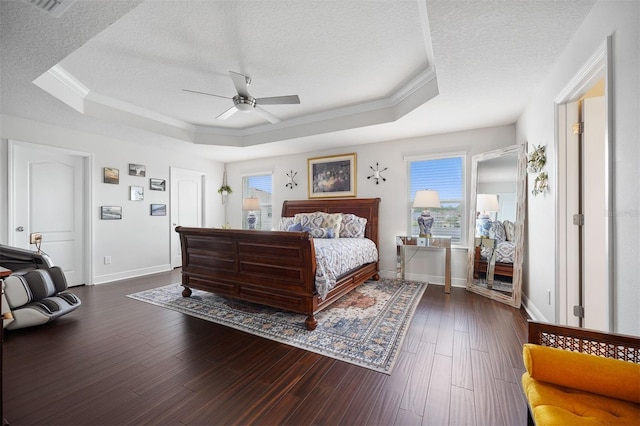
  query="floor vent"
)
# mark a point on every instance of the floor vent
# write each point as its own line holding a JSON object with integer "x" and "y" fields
{"x": 52, "y": 7}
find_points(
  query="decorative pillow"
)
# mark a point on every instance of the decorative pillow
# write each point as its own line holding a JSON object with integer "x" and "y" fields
{"x": 509, "y": 230}
{"x": 332, "y": 220}
{"x": 321, "y": 232}
{"x": 321, "y": 220}
{"x": 296, "y": 227}
{"x": 497, "y": 231}
{"x": 352, "y": 226}
{"x": 308, "y": 220}
{"x": 286, "y": 223}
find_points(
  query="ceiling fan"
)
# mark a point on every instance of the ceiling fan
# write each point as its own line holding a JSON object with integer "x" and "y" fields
{"x": 244, "y": 102}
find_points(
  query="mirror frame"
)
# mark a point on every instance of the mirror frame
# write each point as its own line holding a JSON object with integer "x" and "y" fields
{"x": 521, "y": 199}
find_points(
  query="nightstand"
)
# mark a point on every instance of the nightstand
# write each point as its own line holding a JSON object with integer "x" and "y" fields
{"x": 433, "y": 242}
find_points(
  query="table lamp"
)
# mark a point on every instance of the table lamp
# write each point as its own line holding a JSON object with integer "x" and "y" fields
{"x": 485, "y": 203}
{"x": 426, "y": 198}
{"x": 251, "y": 205}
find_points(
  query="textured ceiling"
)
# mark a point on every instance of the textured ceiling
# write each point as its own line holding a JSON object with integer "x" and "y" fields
{"x": 317, "y": 50}
{"x": 365, "y": 71}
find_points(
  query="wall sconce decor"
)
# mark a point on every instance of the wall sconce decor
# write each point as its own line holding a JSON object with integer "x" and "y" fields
{"x": 536, "y": 161}
{"x": 290, "y": 180}
{"x": 540, "y": 184}
{"x": 377, "y": 174}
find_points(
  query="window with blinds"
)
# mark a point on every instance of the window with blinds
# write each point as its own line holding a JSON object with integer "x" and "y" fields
{"x": 260, "y": 187}
{"x": 445, "y": 175}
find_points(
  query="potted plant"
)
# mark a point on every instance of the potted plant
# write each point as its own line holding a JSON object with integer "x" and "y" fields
{"x": 225, "y": 190}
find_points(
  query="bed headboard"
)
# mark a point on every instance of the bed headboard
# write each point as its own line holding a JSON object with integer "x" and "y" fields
{"x": 363, "y": 207}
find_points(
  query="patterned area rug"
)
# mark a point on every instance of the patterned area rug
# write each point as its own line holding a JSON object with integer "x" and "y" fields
{"x": 365, "y": 327}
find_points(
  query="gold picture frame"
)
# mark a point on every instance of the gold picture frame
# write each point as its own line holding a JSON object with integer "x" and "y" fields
{"x": 332, "y": 176}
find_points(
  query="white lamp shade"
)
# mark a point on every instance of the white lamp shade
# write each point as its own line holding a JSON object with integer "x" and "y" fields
{"x": 488, "y": 203}
{"x": 251, "y": 204}
{"x": 426, "y": 198}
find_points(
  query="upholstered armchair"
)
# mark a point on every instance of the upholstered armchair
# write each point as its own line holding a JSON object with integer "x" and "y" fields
{"x": 35, "y": 292}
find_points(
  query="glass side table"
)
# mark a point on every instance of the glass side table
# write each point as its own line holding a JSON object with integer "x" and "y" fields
{"x": 433, "y": 242}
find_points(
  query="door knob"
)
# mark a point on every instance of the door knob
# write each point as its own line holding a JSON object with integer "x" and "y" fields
{"x": 20, "y": 228}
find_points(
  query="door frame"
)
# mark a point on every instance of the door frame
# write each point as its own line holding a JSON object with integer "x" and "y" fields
{"x": 173, "y": 170}
{"x": 87, "y": 160}
{"x": 596, "y": 68}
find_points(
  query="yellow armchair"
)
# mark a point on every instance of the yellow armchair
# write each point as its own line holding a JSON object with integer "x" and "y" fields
{"x": 581, "y": 377}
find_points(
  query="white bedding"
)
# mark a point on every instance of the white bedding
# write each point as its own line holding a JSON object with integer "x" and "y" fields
{"x": 336, "y": 256}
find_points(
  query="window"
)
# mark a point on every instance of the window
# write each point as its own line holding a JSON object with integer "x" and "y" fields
{"x": 260, "y": 187}
{"x": 445, "y": 175}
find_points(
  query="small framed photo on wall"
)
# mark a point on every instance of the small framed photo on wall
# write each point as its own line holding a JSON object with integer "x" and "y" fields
{"x": 158, "y": 209}
{"x": 137, "y": 170}
{"x": 111, "y": 175}
{"x": 111, "y": 212}
{"x": 157, "y": 184}
{"x": 136, "y": 193}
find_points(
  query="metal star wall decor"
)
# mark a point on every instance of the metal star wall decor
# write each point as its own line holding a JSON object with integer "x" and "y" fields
{"x": 377, "y": 174}
{"x": 290, "y": 182}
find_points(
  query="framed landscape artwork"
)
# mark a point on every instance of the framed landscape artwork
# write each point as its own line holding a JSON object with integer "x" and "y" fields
{"x": 332, "y": 177}
{"x": 111, "y": 175}
{"x": 158, "y": 209}
{"x": 111, "y": 212}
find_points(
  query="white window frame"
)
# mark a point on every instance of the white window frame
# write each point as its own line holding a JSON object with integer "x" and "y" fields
{"x": 461, "y": 242}
{"x": 265, "y": 209}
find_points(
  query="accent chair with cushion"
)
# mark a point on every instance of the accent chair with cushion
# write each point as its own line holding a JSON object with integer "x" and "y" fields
{"x": 581, "y": 377}
{"x": 36, "y": 290}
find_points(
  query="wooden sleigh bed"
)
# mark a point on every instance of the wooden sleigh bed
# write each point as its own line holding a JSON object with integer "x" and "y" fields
{"x": 274, "y": 268}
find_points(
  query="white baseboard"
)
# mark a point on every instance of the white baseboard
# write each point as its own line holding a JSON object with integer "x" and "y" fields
{"x": 531, "y": 309}
{"x": 431, "y": 279}
{"x": 107, "y": 278}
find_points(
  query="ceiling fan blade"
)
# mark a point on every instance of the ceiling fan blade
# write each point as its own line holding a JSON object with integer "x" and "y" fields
{"x": 266, "y": 115}
{"x": 228, "y": 113}
{"x": 278, "y": 100}
{"x": 204, "y": 93}
{"x": 240, "y": 81}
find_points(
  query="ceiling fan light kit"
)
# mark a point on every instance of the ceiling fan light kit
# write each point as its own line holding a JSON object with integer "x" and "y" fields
{"x": 244, "y": 102}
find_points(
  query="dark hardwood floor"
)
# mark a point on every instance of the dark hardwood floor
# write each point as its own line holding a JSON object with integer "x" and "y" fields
{"x": 120, "y": 361}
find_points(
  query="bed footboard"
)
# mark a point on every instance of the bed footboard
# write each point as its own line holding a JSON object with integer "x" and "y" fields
{"x": 271, "y": 268}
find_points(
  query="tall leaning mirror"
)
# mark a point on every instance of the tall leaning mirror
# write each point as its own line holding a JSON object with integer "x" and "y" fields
{"x": 496, "y": 224}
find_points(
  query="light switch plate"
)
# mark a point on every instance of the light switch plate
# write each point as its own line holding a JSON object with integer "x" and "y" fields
{"x": 422, "y": 242}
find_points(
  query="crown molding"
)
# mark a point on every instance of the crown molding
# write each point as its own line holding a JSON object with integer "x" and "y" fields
{"x": 61, "y": 84}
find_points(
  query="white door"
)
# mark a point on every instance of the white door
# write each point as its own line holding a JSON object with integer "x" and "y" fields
{"x": 594, "y": 202}
{"x": 48, "y": 198}
{"x": 572, "y": 199}
{"x": 587, "y": 259}
{"x": 186, "y": 206}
